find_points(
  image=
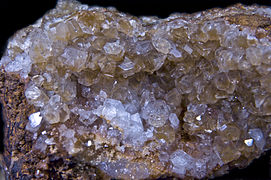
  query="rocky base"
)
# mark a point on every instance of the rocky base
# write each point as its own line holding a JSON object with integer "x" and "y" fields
{"x": 19, "y": 161}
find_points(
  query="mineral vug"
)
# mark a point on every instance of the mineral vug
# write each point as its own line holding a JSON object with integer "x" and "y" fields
{"x": 189, "y": 95}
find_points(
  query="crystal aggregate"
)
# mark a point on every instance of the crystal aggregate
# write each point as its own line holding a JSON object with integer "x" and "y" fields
{"x": 188, "y": 95}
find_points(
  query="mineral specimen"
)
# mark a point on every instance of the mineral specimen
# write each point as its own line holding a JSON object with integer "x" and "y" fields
{"x": 136, "y": 98}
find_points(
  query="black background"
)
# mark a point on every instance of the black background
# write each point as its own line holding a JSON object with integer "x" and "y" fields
{"x": 15, "y": 15}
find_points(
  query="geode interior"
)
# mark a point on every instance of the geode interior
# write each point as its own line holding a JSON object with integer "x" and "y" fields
{"x": 188, "y": 95}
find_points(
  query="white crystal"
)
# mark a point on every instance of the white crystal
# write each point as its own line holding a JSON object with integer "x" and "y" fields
{"x": 248, "y": 142}
{"x": 109, "y": 112}
{"x": 136, "y": 122}
{"x": 22, "y": 64}
{"x": 264, "y": 11}
{"x": 35, "y": 134}
{"x": 156, "y": 113}
{"x": 89, "y": 116}
{"x": 55, "y": 101}
{"x": 32, "y": 92}
{"x": 114, "y": 48}
{"x": 161, "y": 45}
{"x": 143, "y": 47}
{"x": 89, "y": 143}
{"x": 75, "y": 58}
{"x": 188, "y": 49}
{"x": 4, "y": 61}
{"x": 68, "y": 139}
{"x": 48, "y": 77}
{"x": 121, "y": 169}
{"x": 127, "y": 64}
{"x": 158, "y": 62}
{"x": 164, "y": 157}
{"x": 198, "y": 109}
{"x": 208, "y": 130}
{"x": 172, "y": 72}
{"x": 181, "y": 162}
{"x": 176, "y": 53}
{"x": 198, "y": 118}
{"x": 35, "y": 119}
{"x": 38, "y": 80}
{"x": 102, "y": 95}
{"x": 64, "y": 131}
{"x": 134, "y": 136}
{"x": 149, "y": 133}
{"x": 254, "y": 55}
{"x": 51, "y": 115}
{"x": 174, "y": 120}
{"x": 223, "y": 127}
{"x": 228, "y": 58}
{"x": 114, "y": 111}
{"x": 131, "y": 125}
{"x": 258, "y": 137}
{"x": 50, "y": 141}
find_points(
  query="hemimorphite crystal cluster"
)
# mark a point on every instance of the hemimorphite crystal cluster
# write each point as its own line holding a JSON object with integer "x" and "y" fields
{"x": 188, "y": 95}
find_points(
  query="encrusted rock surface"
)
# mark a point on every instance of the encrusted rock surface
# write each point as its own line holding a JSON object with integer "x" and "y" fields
{"x": 91, "y": 92}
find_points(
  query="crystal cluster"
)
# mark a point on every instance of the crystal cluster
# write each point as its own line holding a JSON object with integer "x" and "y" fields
{"x": 189, "y": 95}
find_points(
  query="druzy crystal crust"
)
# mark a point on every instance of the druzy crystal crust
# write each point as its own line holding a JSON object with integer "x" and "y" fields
{"x": 187, "y": 96}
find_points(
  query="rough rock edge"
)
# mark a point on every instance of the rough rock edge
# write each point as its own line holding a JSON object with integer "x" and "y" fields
{"x": 19, "y": 161}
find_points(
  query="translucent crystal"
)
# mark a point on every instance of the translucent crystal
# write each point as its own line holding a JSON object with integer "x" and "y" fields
{"x": 89, "y": 143}
{"x": 123, "y": 169}
{"x": 32, "y": 92}
{"x": 74, "y": 58}
{"x": 52, "y": 116}
{"x": 4, "y": 60}
{"x": 114, "y": 48}
{"x": 188, "y": 49}
{"x": 156, "y": 113}
{"x": 35, "y": 96}
{"x": 38, "y": 80}
{"x": 181, "y": 162}
{"x": 143, "y": 47}
{"x": 258, "y": 137}
{"x": 111, "y": 107}
{"x": 127, "y": 64}
{"x": 136, "y": 121}
{"x": 35, "y": 119}
{"x": 254, "y": 55}
{"x": 248, "y": 142}
{"x": 267, "y": 106}
{"x": 50, "y": 141}
{"x": 87, "y": 117}
{"x": 174, "y": 120}
{"x": 21, "y": 64}
{"x": 67, "y": 136}
{"x": 40, "y": 143}
{"x": 161, "y": 45}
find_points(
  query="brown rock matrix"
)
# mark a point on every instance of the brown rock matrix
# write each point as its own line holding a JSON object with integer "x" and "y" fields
{"x": 93, "y": 93}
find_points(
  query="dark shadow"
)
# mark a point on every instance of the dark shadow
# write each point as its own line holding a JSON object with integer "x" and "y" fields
{"x": 17, "y": 14}
{"x": 259, "y": 169}
{"x": 164, "y": 8}
{"x": 1, "y": 130}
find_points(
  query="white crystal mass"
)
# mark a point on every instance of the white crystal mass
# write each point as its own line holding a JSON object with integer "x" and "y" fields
{"x": 35, "y": 119}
